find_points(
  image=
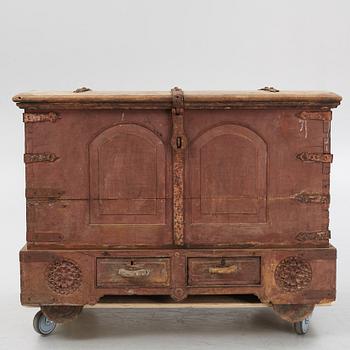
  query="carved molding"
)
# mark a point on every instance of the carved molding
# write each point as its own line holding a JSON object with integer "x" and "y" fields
{"x": 39, "y": 157}
{"x": 64, "y": 276}
{"x": 293, "y": 274}
{"x": 40, "y": 117}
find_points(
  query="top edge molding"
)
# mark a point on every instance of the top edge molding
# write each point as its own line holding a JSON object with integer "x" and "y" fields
{"x": 163, "y": 99}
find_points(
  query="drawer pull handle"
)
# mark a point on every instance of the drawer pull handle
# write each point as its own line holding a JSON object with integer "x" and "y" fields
{"x": 134, "y": 273}
{"x": 223, "y": 270}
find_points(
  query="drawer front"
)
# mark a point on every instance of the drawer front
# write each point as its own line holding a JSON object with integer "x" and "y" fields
{"x": 223, "y": 271}
{"x": 138, "y": 272}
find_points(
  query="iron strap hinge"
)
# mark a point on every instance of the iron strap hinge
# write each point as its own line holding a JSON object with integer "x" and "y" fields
{"x": 313, "y": 236}
{"x": 178, "y": 144}
{"x": 178, "y": 100}
{"x": 315, "y": 115}
{"x": 40, "y": 117}
{"x": 269, "y": 89}
{"x": 39, "y": 157}
{"x": 315, "y": 157}
{"x": 43, "y": 193}
{"x": 312, "y": 198}
{"x": 178, "y": 139}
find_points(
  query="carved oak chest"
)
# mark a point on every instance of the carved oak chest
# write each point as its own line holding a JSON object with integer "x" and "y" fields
{"x": 177, "y": 194}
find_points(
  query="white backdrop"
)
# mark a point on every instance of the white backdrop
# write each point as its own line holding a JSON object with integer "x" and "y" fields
{"x": 155, "y": 45}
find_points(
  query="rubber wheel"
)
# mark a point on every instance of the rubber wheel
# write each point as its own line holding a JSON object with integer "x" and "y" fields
{"x": 302, "y": 327}
{"x": 42, "y": 324}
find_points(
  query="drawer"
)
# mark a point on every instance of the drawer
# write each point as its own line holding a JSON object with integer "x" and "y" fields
{"x": 138, "y": 272}
{"x": 223, "y": 271}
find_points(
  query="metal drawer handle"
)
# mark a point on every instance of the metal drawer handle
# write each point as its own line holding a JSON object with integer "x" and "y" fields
{"x": 223, "y": 270}
{"x": 134, "y": 273}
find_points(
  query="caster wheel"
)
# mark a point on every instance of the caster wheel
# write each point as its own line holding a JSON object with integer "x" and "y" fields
{"x": 302, "y": 327}
{"x": 42, "y": 324}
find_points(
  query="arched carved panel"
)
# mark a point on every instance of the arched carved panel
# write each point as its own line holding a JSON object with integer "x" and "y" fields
{"x": 228, "y": 166}
{"x": 127, "y": 176}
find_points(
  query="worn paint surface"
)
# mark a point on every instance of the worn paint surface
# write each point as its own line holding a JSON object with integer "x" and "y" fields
{"x": 178, "y": 195}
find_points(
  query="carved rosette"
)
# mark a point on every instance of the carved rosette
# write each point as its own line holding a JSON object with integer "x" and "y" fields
{"x": 64, "y": 277}
{"x": 178, "y": 294}
{"x": 293, "y": 274}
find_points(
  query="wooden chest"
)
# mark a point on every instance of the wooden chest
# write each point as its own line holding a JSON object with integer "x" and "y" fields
{"x": 178, "y": 194}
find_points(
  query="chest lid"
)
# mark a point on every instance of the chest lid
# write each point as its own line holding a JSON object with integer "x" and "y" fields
{"x": 264, "y": 98}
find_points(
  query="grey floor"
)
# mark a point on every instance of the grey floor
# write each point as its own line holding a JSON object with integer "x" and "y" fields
{"x": 257, "y": 328}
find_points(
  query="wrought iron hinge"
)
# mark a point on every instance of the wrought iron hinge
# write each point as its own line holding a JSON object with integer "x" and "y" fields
{"x": 315, "y": 157}
{"x": 178, "y": 139}
{"x": 269, "y": 89}
{"x": 39, "y": 157}
{"x": 177, "y": 100}
{"x": 313, "y": 236}
{"x": 178, "y": 143}
{"x": 44, "y": 193}
{"x": 82, "y": 89}
{"x": 40, "y": 117}
{"x": 315, "y": 115}
{"x": 314, "y": 198}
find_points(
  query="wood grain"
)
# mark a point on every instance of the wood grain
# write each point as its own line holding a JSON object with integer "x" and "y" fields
{"x": 163, "y": 99}
{"x": 174, "y": 196}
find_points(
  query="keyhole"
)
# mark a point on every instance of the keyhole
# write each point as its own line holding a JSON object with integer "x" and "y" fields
{"x": 178, "y": 142}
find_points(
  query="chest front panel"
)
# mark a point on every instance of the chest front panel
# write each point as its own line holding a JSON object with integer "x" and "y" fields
{"x": 106, "y": 178}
